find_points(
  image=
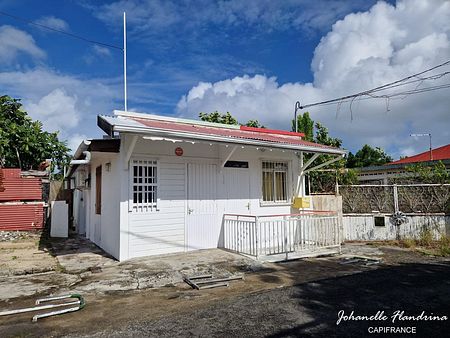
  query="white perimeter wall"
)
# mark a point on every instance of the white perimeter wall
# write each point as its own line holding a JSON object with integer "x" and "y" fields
{"x": 361, "y": 227}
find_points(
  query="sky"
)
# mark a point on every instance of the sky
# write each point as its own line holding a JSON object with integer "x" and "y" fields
{"x": 253, "y": 58}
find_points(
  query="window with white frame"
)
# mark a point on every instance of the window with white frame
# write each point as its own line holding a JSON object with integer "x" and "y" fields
{"x": 144, "y": 185}
{"x": 274, "y": 181}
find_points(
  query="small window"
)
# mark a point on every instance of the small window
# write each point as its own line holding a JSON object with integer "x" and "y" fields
{"x": 379, "y": 221}
{"x": 145, "y": 186}
{"x": 98, "y": 190}
{"x": 274, "y": 181}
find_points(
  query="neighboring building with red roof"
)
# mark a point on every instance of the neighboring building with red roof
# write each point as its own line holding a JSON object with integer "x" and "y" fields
{"x": 160, "y": 184}
{"x": 381, "y": 174}
{"x": 437, "y": 154}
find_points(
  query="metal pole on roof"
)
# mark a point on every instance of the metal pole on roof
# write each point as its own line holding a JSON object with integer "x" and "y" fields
{"x": 429, "y": 135}
{"x": 297, "y": 107}
{"x": 125, "y": 60}
{"x": 431, "y": 150}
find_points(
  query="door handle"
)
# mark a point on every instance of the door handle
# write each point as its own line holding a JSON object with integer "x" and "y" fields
{"x": 248, "y": 205}
{"x": 190, "y": 211}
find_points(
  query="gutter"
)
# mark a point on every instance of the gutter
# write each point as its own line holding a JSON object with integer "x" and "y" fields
{"x": 81, "y": 151}
{"x": 87, "y": 159}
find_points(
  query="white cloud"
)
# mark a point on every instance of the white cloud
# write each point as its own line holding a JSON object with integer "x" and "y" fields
{"x": 14, "y": 42}
{"x": 361, "y": 51}
{"x": 64, "y": 103}
{"x": 75, "y": 140}
{"x": 102, "y": 51}
{"x": 96, "y": 53}
{"x": 150, "y": 15}
{"x": 56, "y": 110}
{"x": 53, "y": 22}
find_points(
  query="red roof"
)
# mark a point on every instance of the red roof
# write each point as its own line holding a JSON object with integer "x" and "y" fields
{"x": 269, "y": 135}
{"x": 441, "y": 153}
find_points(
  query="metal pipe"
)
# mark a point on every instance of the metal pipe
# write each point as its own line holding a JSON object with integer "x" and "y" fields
{"x": 297, "y": 107}
{"x": 36, "y": 308}
{"x": 125, "y": 60}
{"x": 87, "y": 159}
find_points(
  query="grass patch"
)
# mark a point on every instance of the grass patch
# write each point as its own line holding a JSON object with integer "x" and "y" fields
{"x": 426, "y": 245}
{"x": 409, "y": 243}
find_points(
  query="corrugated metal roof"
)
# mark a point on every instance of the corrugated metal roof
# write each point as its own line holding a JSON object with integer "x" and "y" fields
{"x": 234, "y": 133}
{"x": 21, "y": 189}
{"x": 210, "y": 131}
{"x": 439, "y": 154}
{"x": 10, "y": 172}
{"x": 23, "y": 216}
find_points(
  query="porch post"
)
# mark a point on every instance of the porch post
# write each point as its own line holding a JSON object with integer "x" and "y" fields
{"x": 256, "y": 235}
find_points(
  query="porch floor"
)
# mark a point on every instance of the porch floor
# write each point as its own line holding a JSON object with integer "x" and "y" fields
{"x": 325, "y": 251}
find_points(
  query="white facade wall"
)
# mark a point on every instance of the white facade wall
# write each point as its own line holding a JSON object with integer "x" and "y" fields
{"x": 168, "y": 229}
{"x": 103, "y": 229}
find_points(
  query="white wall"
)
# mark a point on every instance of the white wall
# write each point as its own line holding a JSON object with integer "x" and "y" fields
{"x": 361, "y": 227}
{"x": 103, "y": 229}
{"x": 165, "y": 231}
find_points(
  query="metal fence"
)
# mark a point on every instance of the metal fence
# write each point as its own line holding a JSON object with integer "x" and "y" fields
{"x": 412, "y": 198}
{"x": 270, "y": 235}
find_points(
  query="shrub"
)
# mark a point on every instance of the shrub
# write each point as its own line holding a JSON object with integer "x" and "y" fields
{"x": 426, "y": 237}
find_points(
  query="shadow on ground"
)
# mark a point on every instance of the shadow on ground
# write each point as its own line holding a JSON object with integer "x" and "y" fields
{"x": 411, "y": 288}
{"x": 310, "y": 309}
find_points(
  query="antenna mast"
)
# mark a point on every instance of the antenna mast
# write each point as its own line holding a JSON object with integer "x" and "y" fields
{"x": 125, "y": 60}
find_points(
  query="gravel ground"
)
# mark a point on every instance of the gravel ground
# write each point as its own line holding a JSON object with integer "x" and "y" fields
{"x": 296, "y": 298}
{"x": 311, "y": 309}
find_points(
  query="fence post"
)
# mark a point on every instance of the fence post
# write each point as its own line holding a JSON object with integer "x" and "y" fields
{"x": 285, "y": 235}
{"x": 256, "y": 235}
{"x": 395, "y": 198}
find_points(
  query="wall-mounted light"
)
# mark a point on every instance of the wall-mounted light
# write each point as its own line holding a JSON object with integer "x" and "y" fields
{"x": 108, "y": 166}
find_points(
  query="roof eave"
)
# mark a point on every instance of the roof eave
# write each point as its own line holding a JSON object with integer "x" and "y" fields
{"x": 219, "y": 139}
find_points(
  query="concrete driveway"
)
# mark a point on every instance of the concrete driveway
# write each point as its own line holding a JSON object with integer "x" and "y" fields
{"x": 297, "y": 298}
{"x": 77, "y": 265}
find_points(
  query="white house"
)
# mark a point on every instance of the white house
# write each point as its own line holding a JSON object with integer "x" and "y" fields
{"x": 160, "y": 185}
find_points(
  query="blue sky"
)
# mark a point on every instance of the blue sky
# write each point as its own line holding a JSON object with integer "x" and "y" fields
{"x": 252, "y": 58}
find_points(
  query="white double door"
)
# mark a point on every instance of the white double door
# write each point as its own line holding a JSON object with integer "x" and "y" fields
{"x": 209, "y": 195}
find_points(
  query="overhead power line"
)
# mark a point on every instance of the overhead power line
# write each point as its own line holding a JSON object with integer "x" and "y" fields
{"x": 401, "y": 82}
{"x": 61, "y": 31}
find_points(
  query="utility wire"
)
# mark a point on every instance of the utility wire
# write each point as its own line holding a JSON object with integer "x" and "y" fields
{"x": 383, "y": 87}
{"x": 60, "y": 31}
{"x": 387, "y": 96}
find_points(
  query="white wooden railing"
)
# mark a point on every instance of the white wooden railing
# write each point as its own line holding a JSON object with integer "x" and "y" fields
{"x": 260, "y": 236}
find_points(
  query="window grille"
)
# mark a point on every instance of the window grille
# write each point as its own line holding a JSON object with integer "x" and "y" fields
{"x": 145, "y": 186}
{"x": 274, "y": 181}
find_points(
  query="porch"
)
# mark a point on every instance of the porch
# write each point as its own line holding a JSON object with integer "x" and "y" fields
{"x": 282, "y": 237}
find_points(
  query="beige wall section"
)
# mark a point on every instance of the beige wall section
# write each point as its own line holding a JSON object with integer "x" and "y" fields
{"x": 330, "y": 203}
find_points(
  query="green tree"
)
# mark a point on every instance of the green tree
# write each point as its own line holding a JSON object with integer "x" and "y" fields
{"x": 254, "y": 124}
{"x": 323, "y": 180}
{"x": 421, "y": 173}
{"x": 217, "y": 117}
{"x": 23, "y": 143}
{"x": 305, "y": 125}
{"x": 227, "y": 118}
{"x": 367, "y": 156}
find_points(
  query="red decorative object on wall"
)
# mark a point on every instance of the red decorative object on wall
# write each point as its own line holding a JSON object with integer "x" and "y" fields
{"x": 178, "y": 151}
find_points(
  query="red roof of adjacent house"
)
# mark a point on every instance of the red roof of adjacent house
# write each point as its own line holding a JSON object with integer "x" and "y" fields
{"x": 441, "y": 153}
